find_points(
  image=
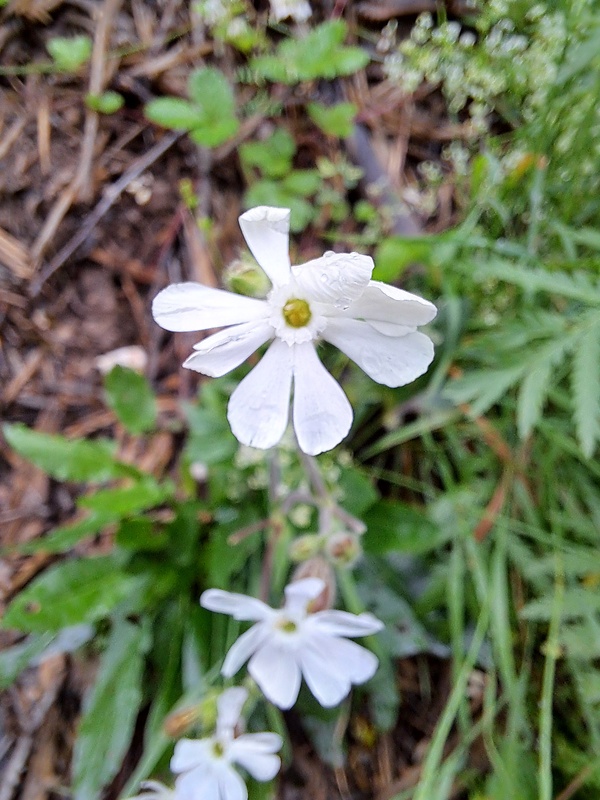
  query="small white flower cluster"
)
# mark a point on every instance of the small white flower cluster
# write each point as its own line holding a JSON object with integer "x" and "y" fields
{"x": 474, "y": 69}
{"x": 206, "y": 768}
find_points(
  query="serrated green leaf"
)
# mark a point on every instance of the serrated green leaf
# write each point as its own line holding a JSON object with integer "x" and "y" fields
{"x": 483, "y": 388}
{"x": 319, "y": 54}
{"x": 214, "y": 133}
{"x": 131, "y": 398}
{"x": 66, "y": 459}
{"x": 211, "y": 92}
{"x": 334, "y": 120}
{"x": 578, "y": 602}
{"x": 110, "y": 711}
{"x": 273, "y": 156}
{"x": 536, "y": 385}
{"x": 303, "y": 182}
{"x": 84, "y": 590}
{"x": 585, "y": 382}
{"x": 173, "y": 112}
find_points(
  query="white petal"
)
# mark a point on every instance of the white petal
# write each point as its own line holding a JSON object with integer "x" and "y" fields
{"x": 197, "y": 785}
{"x": 190, "y": 753}
{"x": 238, "y": 606}
{"x": 266, "y": 231}
{"x": 255, "y": 753}
{"x": 298, "y": 594}
{"x": 277, "y": 674}
{"x": 259, "y": 407}
{"x": 388, "y": 360}
{"x": 194, "y": 307}
{"x": 358, "y": 663}
{"x": 231, "y": 785}
{"x": 342, "y": 623}
{"x": 336, "y": 278}
{"x": 331, "y": 665}
{"x": 384, "y": 303}
{"x": 328, "y": 685}
{"x": 241, "y": 650}
{"x": 226, "y": 350}
{"x": 229, "y": 708}
{"x": 322, "y": 413}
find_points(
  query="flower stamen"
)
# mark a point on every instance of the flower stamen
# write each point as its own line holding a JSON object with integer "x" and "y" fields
{"x": 297, "y": 312}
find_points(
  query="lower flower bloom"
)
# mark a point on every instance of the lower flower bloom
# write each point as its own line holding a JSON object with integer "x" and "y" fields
{"x": 206, "y": 767}
{"x": 290, "y": 643}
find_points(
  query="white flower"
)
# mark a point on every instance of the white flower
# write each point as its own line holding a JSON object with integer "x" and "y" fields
{"x": 299, "y": 10}
{"x": 154, "y": 790}
{"x": 288, "y": 643}
{"x": 331, "y": 298}
{"x": 205, "y": 766}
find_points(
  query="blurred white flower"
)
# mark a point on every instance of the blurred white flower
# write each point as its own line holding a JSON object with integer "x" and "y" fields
{"x": 205, "y": 766}
{"x": 298, "y": 10}
{"x": 331, "y": 298}
{"x": 132, "y": 356}
{"x": 154, "y": 790}
{"x": 288, "y": 643}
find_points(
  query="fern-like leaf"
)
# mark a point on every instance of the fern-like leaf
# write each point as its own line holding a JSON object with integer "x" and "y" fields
{"x": 536, "y": 385}
{"x": 575, "y": 285}
{"x": 585, "y": 383}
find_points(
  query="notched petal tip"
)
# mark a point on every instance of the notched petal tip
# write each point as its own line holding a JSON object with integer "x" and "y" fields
{"x": 275, "y": 217}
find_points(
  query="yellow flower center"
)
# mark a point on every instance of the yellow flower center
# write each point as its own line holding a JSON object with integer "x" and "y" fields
{"x": 297, "y": 313}
{"x": 218, "y": 749}
{"x": 287, "y": 625}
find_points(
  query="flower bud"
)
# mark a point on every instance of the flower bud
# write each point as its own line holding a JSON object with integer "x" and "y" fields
{"x": 305, "y": 547}
{"x": 343, "y": 549}
{"x": 244, "y": 276}
{"x": 317, "y": 567}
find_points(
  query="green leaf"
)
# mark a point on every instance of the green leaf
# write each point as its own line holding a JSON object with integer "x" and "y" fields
{"x": 210, "y": 90}
{"x": 66, "y": 459}
{"x": 272, "y": 193}
{"x": 105, "y": 103}
{"x": 319, "y": 54}
{"x": 124, "y": 501}
{"x": 397, "y": 527}
{"x": 273, "y": 156}
{"x": 396, "y": 253}
{"x": 70, "y": 53}
{"x": 84, "y": 590}
{"x": 110, "y": 711}
{"x": 483, "y": 388}
{"x": 334, "y": 120}
{"x": 173, "y": 112}
{"x": 213, "y": 96}
{"x": 578, "y": 602}
{"x": 212, "y": 134}
{"x": 536, "y": 385}
{"x": 303, "y": 182}
{"x": 131, "y": 398}
{"x": 62, "y": 539}
{"x": 358, "y": 492}
{"x": 585, "y": 381}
